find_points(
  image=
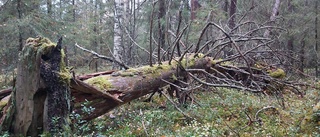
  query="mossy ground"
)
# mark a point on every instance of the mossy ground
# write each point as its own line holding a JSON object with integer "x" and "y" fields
{"x": 223, "y": 112}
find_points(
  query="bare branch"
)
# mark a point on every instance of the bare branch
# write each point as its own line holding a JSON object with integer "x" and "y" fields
{"x": 103, "y": 57}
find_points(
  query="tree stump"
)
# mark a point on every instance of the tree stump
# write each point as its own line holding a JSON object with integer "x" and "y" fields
{"x": 41, "y": 98}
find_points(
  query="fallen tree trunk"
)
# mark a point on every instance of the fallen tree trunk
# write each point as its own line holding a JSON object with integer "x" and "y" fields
{"x": 104, "y": 91}
{"x": 124, "y": 86}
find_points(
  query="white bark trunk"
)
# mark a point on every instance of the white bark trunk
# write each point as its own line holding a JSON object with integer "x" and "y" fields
{"x": 117, "y": 40}
{"x": 274, "y": 13}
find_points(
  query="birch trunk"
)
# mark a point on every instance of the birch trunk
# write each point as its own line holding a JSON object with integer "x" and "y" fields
{"x": 275, "y": 12}
{"x": 117, "y": 40}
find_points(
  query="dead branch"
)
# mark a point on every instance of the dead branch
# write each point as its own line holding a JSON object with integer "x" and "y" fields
{"x": 103, "y": 57}
{"x": 5, "y": 92}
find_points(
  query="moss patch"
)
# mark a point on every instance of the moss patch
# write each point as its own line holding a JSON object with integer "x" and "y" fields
{"x": 145, "y": 70}
{"x": 64, "y": 73}
{"x": 279, "y": 73}
{"x": 44, "y": 46}
{"x": 100, "y": 82}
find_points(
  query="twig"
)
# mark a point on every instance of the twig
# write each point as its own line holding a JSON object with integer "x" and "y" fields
{"x": 259, "y": 111}
{"x": 144, "y": 127}
{"x": 135, "y": 43}
{"x": 176, "y": 43}
{"x": 175, "y": 105}
{"x": 224, "y": 85}
{"x": 179, "y": 23}
{"x": 103, "y": 57}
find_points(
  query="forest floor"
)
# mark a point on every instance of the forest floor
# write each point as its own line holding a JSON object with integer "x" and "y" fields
{"x": 217, "y": 112}
{"x": 220, "y": 112}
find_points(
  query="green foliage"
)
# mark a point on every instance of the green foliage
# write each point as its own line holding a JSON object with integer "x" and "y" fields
{"x": 223, "y": 112}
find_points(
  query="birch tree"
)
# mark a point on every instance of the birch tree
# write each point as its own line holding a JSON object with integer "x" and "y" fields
{"x": 117, "y": 37}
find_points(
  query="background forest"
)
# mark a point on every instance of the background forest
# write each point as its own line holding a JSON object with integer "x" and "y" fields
{"x": 277, "y": 33}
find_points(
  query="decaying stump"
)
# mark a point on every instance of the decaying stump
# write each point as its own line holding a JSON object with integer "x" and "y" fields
{"x": 41, "y": 92}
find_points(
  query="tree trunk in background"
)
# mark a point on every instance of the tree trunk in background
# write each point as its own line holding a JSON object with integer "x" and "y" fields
{"x": 194, "y": 5}
{"x": 290, "y": 47}
{"x": 60, "y": 6}
{"x": 134, "y": 6}
{"x": 181, "y": 7}
{"x": 232, "y": 11}
{"x": 226, "y": 7}
{"x": 74, "y": 20}
{"x": 302, "y": 54}
{"x": 126, "y": 23}
{"x": 275, "y": 12}
{"x": 316, "y": 37}
{"x": 117, "y": 38}
{"x": 19, "y": 2}
{"x": 49, "y": 7}
{"x": 161, "y": 27}
{"x": 231, "y": 24}
{"x": 290, "y": 42}
{"x": 95, "y": 40}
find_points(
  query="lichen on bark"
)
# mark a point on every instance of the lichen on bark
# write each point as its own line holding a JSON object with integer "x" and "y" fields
{"x": 41, "y": 91}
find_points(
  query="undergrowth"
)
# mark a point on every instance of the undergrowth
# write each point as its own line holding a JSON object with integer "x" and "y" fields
{"x": 218, "y": 112}
{"x": 221, "y": 112}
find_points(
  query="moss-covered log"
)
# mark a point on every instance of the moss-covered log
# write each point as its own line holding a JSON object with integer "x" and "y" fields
{"x": 106, "y": 92}
{"x": 124, "y": 86}
{"x": 41, "y": 93}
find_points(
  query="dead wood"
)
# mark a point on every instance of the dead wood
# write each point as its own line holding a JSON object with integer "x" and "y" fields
{"x": 107, "y": 90}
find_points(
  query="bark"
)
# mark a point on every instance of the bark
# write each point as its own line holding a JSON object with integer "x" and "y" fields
{"x": 19, "y": 2}
{"x": 290, "y": 42}
{"x": 290, "y": 46}
{"x": 106, "y": 92}
{"x": 302, "y": 56}
{"x": 226, "y": 6}
{"x": 74, "y": 20}
{"x": 49, "y": 7}
{"x": 41, "y": 91}
{"x": 232, "y": 11}
{"x": 161, "y": 27}
{"x": 195, "y": 5}
{"x": 117, "y": 39}
{"x": 316, "y": 37}
{"x": 179, "y": 24}
{"x": 124, "y": 86}
{"x": 274, "y": 14}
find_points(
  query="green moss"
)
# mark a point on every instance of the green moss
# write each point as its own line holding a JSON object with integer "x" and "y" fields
{"x": 44, "y": 46}
{"x": 3, "y": 103}
{"x": 100, "y": 82}
{"x": 64, "y": 73}
{"x": 279, "y": 73}
{"x": 174, "y": 77}
{"x": 190, "y": 59}
{"x": 145, "y": 70}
